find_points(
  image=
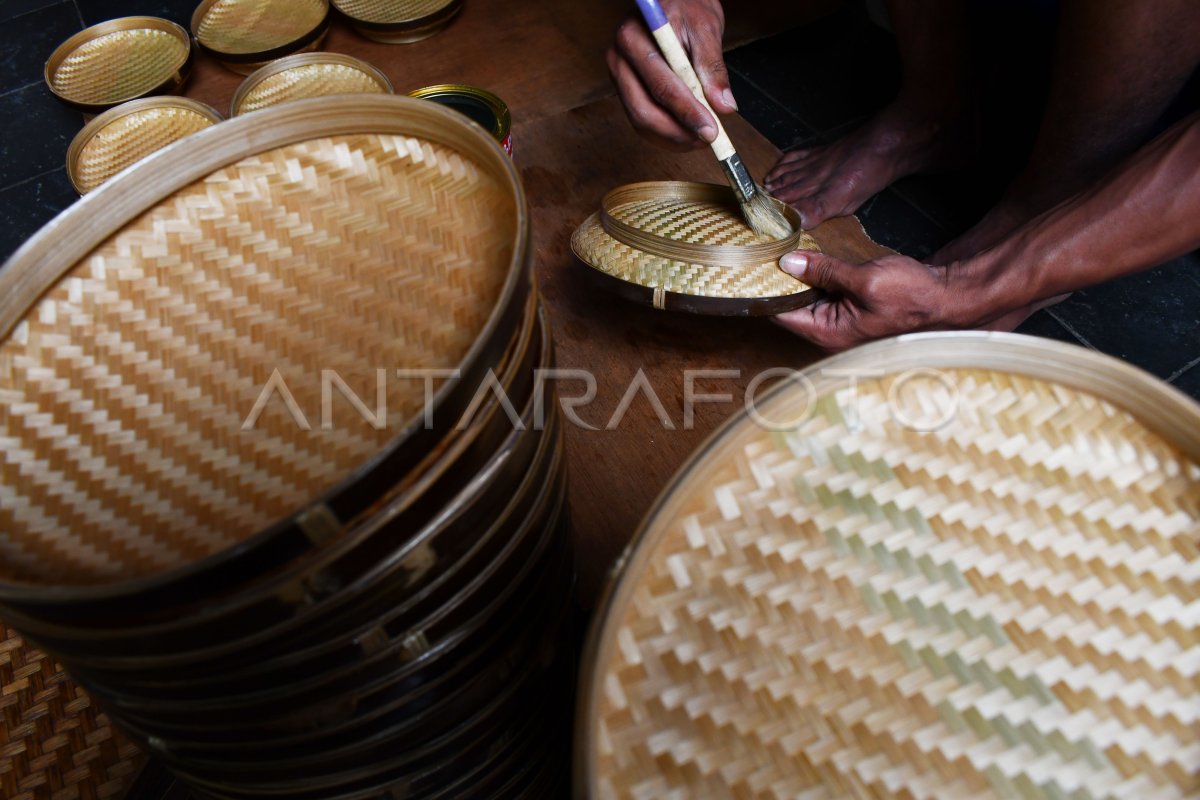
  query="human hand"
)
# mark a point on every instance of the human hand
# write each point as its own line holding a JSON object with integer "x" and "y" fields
{"x": 891, "y": 295}
{"x": 657, "y": 101}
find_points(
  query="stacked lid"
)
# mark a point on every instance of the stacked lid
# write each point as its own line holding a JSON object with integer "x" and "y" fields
{"x": 278, "y": 500}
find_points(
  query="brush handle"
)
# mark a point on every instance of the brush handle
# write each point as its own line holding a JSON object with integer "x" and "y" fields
{"x": 677, "y": 58}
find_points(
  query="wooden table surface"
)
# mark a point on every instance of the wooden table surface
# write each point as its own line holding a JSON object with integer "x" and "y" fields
{"x": 572, "y": 142}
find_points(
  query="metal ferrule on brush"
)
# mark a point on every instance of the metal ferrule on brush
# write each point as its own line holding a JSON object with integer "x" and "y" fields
{"x": 739, "y": 178}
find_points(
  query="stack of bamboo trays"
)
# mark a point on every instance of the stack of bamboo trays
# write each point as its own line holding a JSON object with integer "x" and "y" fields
{"x": 284, "y": 492}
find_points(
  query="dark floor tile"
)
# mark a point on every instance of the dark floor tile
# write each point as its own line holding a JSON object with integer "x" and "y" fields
{"x": 827, "y": 73}
{"x": 1151, "y": 319}
{"x": 1046, "y": 326}
{"x": 95, "y": 11}
{"x": 26, "y": 207}
{"x": 28, "y": 40}
{"x": 15, "y": 8}
{"x": 781, "y": 127}
{"x": 894, "y": 223}
{"x": 954, "y": 202}
{"x": 1189, "y": 382}
{"x": 35, "y": 129}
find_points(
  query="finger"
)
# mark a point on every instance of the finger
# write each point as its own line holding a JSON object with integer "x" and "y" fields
{"x": 825, "y": 272}
{"x": 703, "y": 41}
{"x": 660, "y": 83}
{"x": 823, "y": 323}
{"x": 646, "y": 116}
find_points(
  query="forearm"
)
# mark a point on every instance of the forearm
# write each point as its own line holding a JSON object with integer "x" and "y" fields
{"x": 1145, "y": 212}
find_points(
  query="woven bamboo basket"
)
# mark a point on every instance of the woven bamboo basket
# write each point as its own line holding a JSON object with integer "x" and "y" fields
{"x": 399, "y": 21}
{"x": 123, "y": 136}
{"x": 307, "y": 75}
{"x": 944, "y": 565}
{"x": 244, "y": 224}
{"x": 245, "y": 35}
{"x": 191, "y": 642}
{"x": 120, "y": 60}
{"x": 686, "y": 247}
{"x": 55, "y": 742}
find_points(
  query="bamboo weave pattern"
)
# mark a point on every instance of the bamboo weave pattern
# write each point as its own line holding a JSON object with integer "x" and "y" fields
{"x": 256, "y": 26}
{"x": 132, "y": 138}
{"x": 119, "y": 65}
{"x": 55, "y": 743}
{"x": 593, "y": 245}
{"x": 1004, "y": 606}
{"x": 124, "y": 391}
{"x": 390, "y": 11}
{"x": 309, "y": 80}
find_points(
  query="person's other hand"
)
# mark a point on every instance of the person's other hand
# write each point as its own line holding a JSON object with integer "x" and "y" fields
{"x": 659, "y": 103}
{"x": 891, "y": 295}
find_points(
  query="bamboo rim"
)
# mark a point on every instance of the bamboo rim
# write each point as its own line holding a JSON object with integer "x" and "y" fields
{"x": 168, "y": 83}
{"x": 1160, "y": 407}
{"x": 300, "y": 39}
{"x": 675, "y": 250}
{"x": 75, "y": 151}
{"x": 59, "y": 246}
{"x": 245, "y": 92}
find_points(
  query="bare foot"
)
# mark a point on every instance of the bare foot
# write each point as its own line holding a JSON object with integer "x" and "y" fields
{"x": 835, "y": 179}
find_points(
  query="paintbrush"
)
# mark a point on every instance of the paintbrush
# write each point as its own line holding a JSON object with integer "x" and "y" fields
{"x": 758, "y": 208}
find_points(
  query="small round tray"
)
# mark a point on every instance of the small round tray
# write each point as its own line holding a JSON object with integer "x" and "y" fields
{"x": 119, "y": 60}
{"x": 124, "y": 135}
{"x": 685, "y": 246}
{"x": 247, "y": 34}
{"x": 306, "y": 75}
{"x": 398, "y": 21}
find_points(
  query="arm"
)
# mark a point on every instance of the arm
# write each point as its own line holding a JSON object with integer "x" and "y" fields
{"x": 1145, "y": 212}
{"x": 658, "y": 103}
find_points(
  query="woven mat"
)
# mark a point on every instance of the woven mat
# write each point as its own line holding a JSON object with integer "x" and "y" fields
{"x": 126, "y": 389}
{"x": 54, "y": 744}
{"x": 1002, "y": 607}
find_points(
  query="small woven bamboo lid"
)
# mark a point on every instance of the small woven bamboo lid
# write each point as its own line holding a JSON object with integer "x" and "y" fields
{"x": 399, "y": 21}
{"x": 944, "y": 565}
{"x": 124, "y": 135}
{"x": 119, "y": 60}
{"x": 307, "y": 75}
{"x": 685, "y": 246}
{"x": 245, "y": 34}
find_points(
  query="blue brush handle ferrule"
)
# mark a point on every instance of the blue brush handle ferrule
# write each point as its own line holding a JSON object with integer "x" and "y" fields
{"x": 653, "y": 14}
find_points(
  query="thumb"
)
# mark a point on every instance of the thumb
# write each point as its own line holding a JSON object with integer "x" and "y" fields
{"x": 823, "y": 271}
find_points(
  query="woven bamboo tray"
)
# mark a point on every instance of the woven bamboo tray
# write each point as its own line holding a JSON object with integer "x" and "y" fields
{"x": 972, "y": 573}
{"x": 393, "y": 551}
{"x": 307, "y": 75}
{"x": 245, "y": 35}
{"x": 399, "y": 21}
{"x": 282, "y": 238}
{"x": 55, "y": 742}
{"x": 120, "y": 60}
{"x": 123, "y": 136}
{"x": 685, "y": 247}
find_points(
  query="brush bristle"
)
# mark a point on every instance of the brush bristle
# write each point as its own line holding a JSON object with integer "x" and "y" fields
{"x": 765, "y": 218}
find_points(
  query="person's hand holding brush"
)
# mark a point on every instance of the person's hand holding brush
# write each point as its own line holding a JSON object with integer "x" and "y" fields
{"x": 658, "y": 103}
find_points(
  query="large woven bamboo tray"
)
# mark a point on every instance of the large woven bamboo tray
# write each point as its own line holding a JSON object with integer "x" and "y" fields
{"x": 399, "y": 544}
{"x": 146, "y": 321}
{"x": 681, "y": 246}
{"x": 939, "y": 566}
